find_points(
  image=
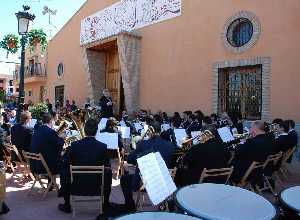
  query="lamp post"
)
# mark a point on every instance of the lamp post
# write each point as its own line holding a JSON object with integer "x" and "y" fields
{"x": 24, "y": 17}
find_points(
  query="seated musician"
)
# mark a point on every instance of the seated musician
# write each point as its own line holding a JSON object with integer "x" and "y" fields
{"x": 292, "y": 133}
{"x": 169, "y": 134}
{"x": 199, "y": 117}
{"x": 185, "y": 122}
{"x": 177, "y": 119}
{"x": 21, "y": 133}
{"x": 132, "y": 182}
{"x": 293, "y": 136}
{"x": 111, "y": 127}
{"x": 283, "y": 141}
{"x": 212, "y": 154}
{"x": 257, "y": 148}
{"x": 194, "y": 125}
{"x": 46, "y": 141}
{"x": 86, "y": 152}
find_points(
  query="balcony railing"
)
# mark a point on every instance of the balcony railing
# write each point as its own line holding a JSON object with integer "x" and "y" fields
{"x": 33, "y": 70}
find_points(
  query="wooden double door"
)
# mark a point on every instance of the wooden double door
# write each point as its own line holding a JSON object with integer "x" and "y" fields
{"x": 113, "y": 80}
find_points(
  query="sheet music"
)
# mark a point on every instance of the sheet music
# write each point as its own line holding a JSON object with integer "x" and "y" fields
{"x": 180, "y": 135}
{"x": 225, "y": 134}
{"x": 156, "y": 177}
{"x": 110, "y": 139}
{"x": 165, "y": 127}
{"x": 125, "y": 131}
{"x": 138, "y": 127}
{"x": 195, "y": 134}
{"x": 102, "y": 124}
{"x": 32, "y": 123}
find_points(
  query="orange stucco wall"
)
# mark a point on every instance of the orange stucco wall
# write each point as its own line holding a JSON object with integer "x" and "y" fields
{"x": 177, "y": 55}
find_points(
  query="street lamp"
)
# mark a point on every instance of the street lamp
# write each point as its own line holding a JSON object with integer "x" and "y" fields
{"x": 24, "y": 17}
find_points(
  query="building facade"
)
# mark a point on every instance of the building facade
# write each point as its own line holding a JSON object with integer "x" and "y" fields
{"x": 176, "y": 55}
{"x": 7, "y": 85}
{"x": 35, "y": 75}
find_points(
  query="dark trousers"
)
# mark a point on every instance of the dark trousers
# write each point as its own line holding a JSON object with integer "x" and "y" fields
{"x": 65, "y": 190}
{"x": 130, "y": 183}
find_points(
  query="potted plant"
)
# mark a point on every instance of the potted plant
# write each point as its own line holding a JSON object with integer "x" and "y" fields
{"x": 38, "y": 110}
{"x": 37, "y": 36}
{"x": 10, "y": 43}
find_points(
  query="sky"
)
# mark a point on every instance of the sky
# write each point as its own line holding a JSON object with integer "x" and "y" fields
{"x": 8, "y": 22}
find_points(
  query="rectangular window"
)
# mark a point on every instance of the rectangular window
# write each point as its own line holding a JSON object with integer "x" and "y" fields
{"x": 1, "y": 80}
{"x": 11, "y": 90}
{"x": 29, "y": 93}
{"x": 240, "y": 91}
{"x": 17, "y": 89}
{"x": 10, "y": 82}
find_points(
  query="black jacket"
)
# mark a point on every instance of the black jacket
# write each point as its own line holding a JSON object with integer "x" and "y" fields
{"x": 283, "y": 143}
{"x": 254, "y": 149}
{"x": 47, "y": 142}
{"x": 106, "y": 110}
{"x": 211, "y": 155}
{"x": 293, "y": 137}
{"x": 21, "y": 137}
{"x": 86, "y": 152}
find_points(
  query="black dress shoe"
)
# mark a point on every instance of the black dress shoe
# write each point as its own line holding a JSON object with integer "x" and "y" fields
{"x": 65, "y": 208}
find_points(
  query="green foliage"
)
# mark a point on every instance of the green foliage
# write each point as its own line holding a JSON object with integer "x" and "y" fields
{"x": 2, "y": 96}
{"x": 37, "y": 36}
{"x": 10, "y": 38}
{"x": 38, "y": 110}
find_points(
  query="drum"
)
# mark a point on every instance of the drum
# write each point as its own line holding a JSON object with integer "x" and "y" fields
{"x": 156, "y": 216}
{"x": 218, "y": 201}
{"x": 290, "y": 202}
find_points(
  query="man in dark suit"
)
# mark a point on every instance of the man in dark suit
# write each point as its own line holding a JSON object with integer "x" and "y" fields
{"x": 86, "y": 152}
{"x": 106, "y": 104}
{"x": 194, "y": 125}
{"x": 46, "y": 141}
{"x": 212, "y": 154}
{"x": 283, "y": 142}
{"x": 132, "y": 182}
{"x": 21, "y": 134}
{"x": 257, "y": 148}
{"x": 293, "y": 136}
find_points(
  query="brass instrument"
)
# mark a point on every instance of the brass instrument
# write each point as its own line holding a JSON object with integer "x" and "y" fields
{"x": 150, "y": 133}
{"x": 187, "y": 145}
{"x": 201, "y": 138}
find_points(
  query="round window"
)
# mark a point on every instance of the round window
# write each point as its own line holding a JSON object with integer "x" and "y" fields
{"x": 240, "y": 32}
{"x": 60, "y": 70}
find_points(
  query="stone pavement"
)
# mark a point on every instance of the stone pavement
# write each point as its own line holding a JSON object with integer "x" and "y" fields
{"x": 31, "y": 207}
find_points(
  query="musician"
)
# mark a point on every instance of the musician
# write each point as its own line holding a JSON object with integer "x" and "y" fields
{"x": 194, "y": 124}
{"x": 283, "y": 141}
{"x": 87, "y": 105}
{"x": 207, "y": 124}
{"x": 199, "y": 117}
{"x": 256, "y": 149}
{"x": 176, "y": 119}
{"x": 73, "y": 106}
{"x": 212, "y": 154}
{"x": 68, "y": 106}
{"x": 165, "y": 118}
{"x": 292, "y": 133}
{"x": 169, "y": 134}
{"x": 86, "y": 152}
{"x": 185, "y": 123}
{"x": 46, "y": 141}
{"x": 111, "y": 127}
{"x": 49, "y": 105}
{"x": 293, "y": 136}
{"x": 21, "y": 134}
{"x": 106, "y": 104}
{"x": 225, "y": 120}
{"x": 132, "y": 182}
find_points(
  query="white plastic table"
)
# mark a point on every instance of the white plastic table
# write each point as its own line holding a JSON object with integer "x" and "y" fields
{"x": 291, "y": 198}
{"x": 223, "y": 202}
{"x": 156, "y": 216}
